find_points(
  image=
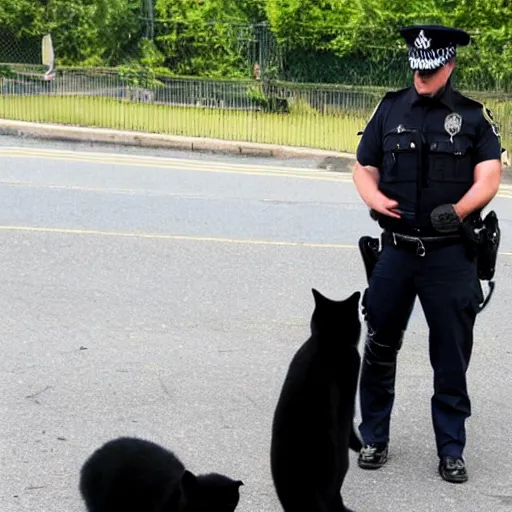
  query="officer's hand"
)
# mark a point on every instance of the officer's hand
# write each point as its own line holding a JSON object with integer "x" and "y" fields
{"x": 445, "y": 218}
{"x": 385, "y": 205}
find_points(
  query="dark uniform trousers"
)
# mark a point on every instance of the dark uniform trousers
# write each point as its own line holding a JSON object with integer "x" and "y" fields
{"x": 446, "y": 283}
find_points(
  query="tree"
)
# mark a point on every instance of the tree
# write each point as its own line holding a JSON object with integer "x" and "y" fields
{"x": 209, "y": 38}
{"x": 349, "y": 40}
{"x": 94, "y": 32}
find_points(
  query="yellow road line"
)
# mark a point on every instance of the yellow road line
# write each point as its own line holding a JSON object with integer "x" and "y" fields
{"x": 194, "y": 165}
{"x": 192, "y": 238}
{"x": 174, "y": 237}
{"x": 187, "y": 164}
{"x": 179, "y": 164}
{"x": 317, "y": 176}
{"x": 21, "y": 151}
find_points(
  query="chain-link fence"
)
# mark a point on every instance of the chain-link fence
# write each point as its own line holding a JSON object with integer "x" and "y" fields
{"x": 20, "y": 52}
{"x": 267, "y": 100}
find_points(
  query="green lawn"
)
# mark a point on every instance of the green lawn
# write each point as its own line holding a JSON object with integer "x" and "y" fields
{"x": 308, "y": 129}
{"x": 303, "y": 127}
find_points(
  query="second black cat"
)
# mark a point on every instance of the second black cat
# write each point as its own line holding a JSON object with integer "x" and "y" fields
{"x": 134, "y": 475}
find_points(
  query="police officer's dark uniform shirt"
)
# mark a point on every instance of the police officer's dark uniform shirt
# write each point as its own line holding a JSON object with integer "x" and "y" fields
{"x": 426, "y": 150}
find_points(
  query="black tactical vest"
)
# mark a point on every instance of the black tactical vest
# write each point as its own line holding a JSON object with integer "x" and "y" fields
{"x": 422, "y": 169}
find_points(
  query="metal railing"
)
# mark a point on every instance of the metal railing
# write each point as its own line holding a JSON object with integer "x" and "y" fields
{"x": 291, "y": 114}
{"x": 308, "y": 115}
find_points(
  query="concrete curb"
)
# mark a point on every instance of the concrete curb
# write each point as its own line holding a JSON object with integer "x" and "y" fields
{"x": 330, "y": 160}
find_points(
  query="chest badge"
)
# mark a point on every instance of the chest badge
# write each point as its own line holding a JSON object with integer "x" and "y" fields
{"x": 453, "y": 124}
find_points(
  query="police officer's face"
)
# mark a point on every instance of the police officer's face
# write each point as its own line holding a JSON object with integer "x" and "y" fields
{"x": 429, "y": 83}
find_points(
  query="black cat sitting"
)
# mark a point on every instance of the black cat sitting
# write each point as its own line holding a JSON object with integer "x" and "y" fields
{"x": 313, "y": 426}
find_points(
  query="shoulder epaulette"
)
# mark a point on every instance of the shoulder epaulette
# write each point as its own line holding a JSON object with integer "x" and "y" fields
{"x": 489, "y": 117}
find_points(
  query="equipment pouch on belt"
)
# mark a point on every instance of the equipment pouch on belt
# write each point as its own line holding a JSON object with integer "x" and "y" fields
{"x": 369, "y": 248}
{"x": 484, "y": 237}
{"x": 488, "y": 248}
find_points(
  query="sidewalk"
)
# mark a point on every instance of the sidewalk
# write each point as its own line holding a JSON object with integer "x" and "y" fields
{"x": 328, "y": 160}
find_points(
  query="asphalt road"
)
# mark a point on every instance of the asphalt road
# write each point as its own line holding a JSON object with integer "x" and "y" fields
{"x": 165, "y": 299}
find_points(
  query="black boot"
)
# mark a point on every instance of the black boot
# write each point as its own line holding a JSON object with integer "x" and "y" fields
{"x": 453, "y": 469}
{"x": 373, "y": 456}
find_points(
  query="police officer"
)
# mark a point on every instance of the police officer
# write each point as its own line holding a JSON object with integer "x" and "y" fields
{"x": 429, "y": 158}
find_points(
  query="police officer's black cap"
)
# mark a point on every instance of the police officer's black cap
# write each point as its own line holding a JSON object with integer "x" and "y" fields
{"x": 432, "y": 46}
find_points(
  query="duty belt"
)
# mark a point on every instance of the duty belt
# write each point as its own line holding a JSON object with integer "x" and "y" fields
{"x": 420, "y": 244}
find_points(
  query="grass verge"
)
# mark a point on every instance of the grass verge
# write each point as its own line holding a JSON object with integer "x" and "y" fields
{"x": 302, "y": 127}
{"x": 309, "y": 129}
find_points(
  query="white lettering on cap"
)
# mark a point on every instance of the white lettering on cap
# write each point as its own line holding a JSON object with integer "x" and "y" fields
{"x": 430, "y": 59}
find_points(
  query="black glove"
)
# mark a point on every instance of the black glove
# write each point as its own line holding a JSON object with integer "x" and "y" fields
{"x": 444, "y": 218}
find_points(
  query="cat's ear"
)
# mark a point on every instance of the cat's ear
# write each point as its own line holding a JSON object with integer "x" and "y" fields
{"x": 188, "y": 480}
{"x": 317, "y": 296}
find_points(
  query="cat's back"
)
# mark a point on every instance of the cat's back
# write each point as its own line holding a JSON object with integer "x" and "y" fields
{"x": 127, "y": 472}
{"x": 134, "y": 452}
